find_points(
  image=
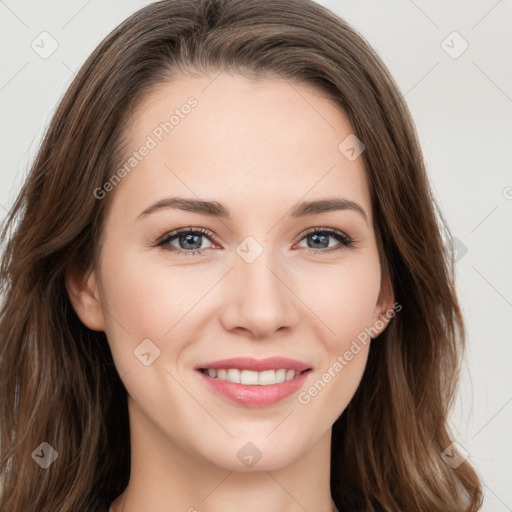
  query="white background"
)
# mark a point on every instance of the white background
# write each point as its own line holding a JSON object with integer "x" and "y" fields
{"x": 462, "y": 108}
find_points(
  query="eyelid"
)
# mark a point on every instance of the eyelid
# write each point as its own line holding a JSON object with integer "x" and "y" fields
{"x": 182, "y": 231}
{"x": 344, "y": 239}
{"x": 334, "y": 231}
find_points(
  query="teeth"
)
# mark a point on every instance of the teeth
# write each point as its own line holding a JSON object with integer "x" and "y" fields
{"x": 289, "y": 374}
{"x": 281, "y": 375}
{"x": 251, "y": 378}
{"x": 234, "y": 375}
{"x": 248, "y": 377}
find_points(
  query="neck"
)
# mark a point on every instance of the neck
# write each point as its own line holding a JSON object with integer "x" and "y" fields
{"x": 166, "y": 476}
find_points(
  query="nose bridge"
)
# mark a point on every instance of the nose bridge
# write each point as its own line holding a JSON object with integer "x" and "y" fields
{"x": 261, "y": 300}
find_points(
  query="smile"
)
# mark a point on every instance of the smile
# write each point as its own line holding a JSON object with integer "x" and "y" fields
{"x": 252, "y": 394}
{"x": 252, "y": 378}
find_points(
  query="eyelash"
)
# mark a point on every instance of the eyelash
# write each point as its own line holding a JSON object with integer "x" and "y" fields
{"x": 338, "y": 235}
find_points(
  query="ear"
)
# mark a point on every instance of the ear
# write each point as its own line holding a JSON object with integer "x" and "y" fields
{"x": 384, "y": 310}
{"x": 83, "y": 294}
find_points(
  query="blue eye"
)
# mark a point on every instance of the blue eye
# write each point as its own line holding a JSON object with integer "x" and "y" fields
{"x": 185, "y": 237}
{"x": 191, "y": 238}
{"x": 320, "y": 236}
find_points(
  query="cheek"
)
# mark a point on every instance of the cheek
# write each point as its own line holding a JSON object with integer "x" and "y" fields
{"x": 160, "y": 301}
{"x": 345, "y": 305}
{"x": 143, "y": 300}
{"x": 342, "y": 297}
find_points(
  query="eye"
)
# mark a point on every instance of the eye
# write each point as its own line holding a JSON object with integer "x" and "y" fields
{"x": 189, "y": 238}
{"x": 319, "y": 238}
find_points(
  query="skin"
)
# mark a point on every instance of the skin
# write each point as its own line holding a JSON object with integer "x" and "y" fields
{"x": 258, "y": 148}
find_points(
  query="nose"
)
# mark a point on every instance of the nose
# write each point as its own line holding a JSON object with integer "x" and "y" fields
{"x": 259, "y": 298}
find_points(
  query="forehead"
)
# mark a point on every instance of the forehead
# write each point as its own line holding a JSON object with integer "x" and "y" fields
{"x": 241, "y": 141}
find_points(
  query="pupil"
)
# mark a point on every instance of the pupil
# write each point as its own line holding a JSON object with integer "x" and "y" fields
{"x": 316, "y": 236}
{"x": 195, "y": 240}
{"x": 196, "y": 244}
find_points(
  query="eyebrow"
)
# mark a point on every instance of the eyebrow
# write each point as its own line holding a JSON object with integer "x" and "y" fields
{"x": 216, "y": 209}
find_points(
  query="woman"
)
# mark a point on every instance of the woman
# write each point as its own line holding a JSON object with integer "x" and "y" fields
{"x": 303, "y": 353}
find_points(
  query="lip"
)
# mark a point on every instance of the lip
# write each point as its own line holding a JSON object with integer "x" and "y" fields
{"x": 258, "y": 365}
{"x": 254, "y": 395}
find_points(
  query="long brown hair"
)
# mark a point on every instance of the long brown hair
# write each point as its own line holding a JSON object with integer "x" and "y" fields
{"x": 59, "y": 384}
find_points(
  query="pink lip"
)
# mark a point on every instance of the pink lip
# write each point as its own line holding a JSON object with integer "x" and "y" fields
{"x": 258, "y": 365}
{"x": 254, "y": 395}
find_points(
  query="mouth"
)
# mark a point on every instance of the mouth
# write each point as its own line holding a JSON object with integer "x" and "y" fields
{"x": 252, "y": 377}
{"x": 254, "y": 388}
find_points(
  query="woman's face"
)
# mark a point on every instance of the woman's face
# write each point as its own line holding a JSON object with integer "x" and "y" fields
{"x": 257, "y": 288}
